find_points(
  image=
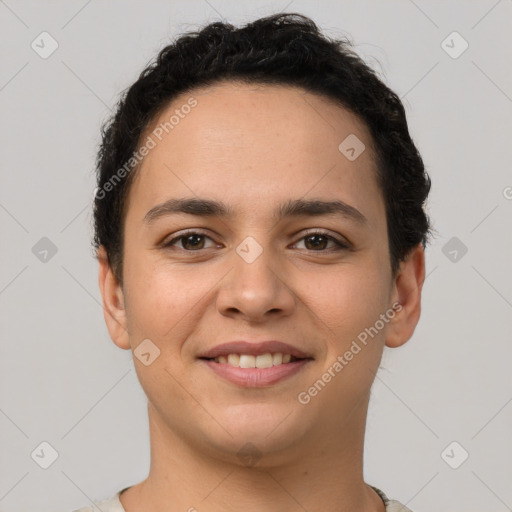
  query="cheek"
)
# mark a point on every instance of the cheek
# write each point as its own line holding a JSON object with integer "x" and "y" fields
{"x": 161, "y": 297}
{"x": 347, "y": 301}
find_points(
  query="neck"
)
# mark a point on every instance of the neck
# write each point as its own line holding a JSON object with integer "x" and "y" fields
{"x": 328, "y": 477}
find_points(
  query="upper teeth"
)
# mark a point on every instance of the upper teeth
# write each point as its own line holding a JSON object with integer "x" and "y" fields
{"x": 248, "y": 361}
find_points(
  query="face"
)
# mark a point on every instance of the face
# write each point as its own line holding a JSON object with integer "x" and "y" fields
{"x": 313, "y": 278}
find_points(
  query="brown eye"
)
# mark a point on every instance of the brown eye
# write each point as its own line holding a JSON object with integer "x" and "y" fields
{"x": 318, "y": 241}
{"x": 191, "y": 241}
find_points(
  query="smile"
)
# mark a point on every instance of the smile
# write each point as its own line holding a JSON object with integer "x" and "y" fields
{"x": 248, "y": 370}
{"x": 255, "y": 361}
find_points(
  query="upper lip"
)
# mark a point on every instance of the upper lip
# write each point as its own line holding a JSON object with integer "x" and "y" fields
{"x": 254, "y": 348}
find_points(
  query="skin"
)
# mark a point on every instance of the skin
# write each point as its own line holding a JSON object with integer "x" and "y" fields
{"x": 255, "y": 147}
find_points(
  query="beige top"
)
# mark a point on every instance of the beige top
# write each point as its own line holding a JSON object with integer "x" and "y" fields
{"x": 113, "y": 504}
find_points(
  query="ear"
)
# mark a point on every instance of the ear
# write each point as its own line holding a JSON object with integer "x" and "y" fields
{"x": 407, "y": 291}
{"x": 113, "y": 302}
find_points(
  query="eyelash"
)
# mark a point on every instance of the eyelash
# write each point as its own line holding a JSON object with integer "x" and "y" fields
{"x": 340, "y": 245}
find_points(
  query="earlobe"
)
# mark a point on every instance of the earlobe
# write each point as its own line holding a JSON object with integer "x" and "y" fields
{"x": 113, "y": 302}
{"x": 407, "y": 292}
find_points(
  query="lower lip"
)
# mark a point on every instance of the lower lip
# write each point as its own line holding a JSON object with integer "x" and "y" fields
{"x": 256, "y": 377}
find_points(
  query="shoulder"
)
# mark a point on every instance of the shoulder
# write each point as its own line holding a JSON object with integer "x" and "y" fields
{"x": 396, "y": 506}
{"x": 391, "y": 505}
{"x": 112, "y": 504}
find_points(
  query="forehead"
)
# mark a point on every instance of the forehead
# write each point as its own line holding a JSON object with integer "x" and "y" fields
{"x": 253, "y": 144}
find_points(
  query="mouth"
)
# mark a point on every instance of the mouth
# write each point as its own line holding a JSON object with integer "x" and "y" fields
{"x": 267, "y": 360}
{"x": 255, "y": 365}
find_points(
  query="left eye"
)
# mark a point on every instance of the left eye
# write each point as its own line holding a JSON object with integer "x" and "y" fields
{"x": 317, "y": 241}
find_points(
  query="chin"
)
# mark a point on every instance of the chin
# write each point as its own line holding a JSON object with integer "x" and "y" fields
{"x": 258, "y": 430}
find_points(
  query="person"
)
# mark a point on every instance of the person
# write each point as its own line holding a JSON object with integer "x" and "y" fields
{"x": 260, "y": 229}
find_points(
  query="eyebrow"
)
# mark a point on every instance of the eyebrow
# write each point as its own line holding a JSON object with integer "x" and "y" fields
{"x": 292, "y": 208}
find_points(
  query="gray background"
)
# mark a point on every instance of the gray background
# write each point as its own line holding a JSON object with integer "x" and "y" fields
{"x": 64, "y": 382}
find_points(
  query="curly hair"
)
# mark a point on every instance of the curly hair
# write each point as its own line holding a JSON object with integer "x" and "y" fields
{"x": 284, "y": 49}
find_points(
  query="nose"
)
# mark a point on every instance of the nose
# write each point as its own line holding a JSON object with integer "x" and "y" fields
{"x": 256, "y": 290}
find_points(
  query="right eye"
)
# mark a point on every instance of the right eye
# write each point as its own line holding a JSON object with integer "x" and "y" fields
{"x": 191, "y": 241}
